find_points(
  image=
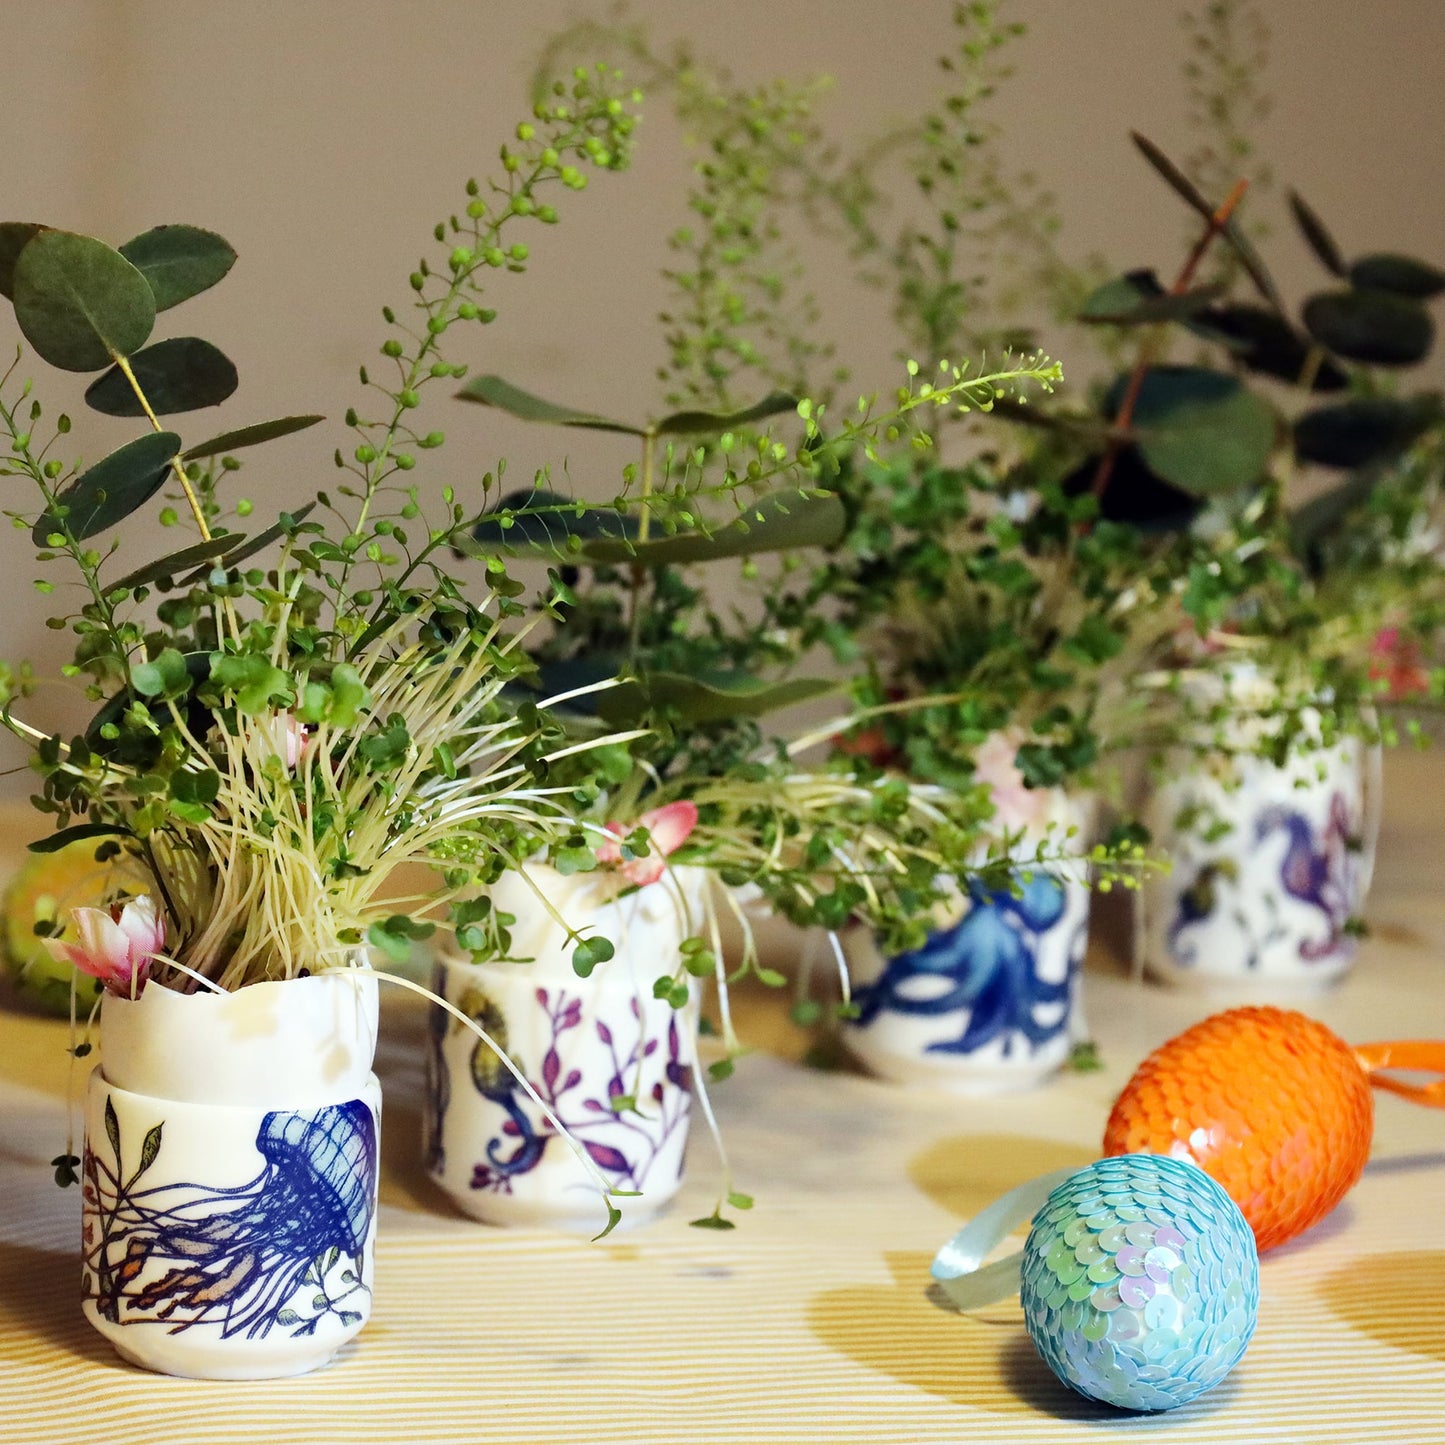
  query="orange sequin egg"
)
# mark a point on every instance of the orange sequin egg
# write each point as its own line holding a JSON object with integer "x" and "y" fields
{"x": 1269, "y": 1103}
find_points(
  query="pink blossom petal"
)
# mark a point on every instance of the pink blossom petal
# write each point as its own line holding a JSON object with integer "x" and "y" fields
{"x": 670, "y": 826}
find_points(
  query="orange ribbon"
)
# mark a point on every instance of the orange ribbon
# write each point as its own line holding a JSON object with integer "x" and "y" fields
{"x": 1416, "y": 1055}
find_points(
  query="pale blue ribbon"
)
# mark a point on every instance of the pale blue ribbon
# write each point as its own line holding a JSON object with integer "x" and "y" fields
{"x": 959, "y": 1266}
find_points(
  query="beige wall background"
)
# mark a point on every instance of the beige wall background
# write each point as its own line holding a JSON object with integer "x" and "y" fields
{"x": 324, "y": 139}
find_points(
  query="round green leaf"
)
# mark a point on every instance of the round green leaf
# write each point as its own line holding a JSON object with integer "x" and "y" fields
{"x": 179, "y": 261}
{"x": 79, "y": 303}
{"x": 1201, "y": 430}
{"x": 14, "y": 237}
{"x": 1404, "y": 275}
{"x": 1264, "y": 341}
{"x": 1368, "y": 429}
{"x": 182, "y": 374}
{"x": 1371, "y": 326}
{"x": 112, "y": 489}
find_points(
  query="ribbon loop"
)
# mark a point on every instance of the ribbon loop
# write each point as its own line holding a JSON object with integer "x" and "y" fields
{"x": 1412, "y": 1055}
{"x": 958, "y": 1266}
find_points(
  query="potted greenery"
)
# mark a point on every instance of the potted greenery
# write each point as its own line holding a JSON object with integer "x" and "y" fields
{"x": 271, "y": 742}
{"x": 1222, "y": 579}
{"x": 710, "y": 800}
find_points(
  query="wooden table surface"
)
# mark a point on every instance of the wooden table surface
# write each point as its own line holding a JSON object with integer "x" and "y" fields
{"x": 812, "y": 1321}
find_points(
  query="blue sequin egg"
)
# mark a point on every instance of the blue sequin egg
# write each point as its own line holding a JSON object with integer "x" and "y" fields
{"x": 1140, "y": 1282}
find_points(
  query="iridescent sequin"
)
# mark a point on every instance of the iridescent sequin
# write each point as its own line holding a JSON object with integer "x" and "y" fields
{"x": 1144, "y": 1310}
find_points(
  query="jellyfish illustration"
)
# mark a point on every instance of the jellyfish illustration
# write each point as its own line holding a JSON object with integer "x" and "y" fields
{"x": 989, "y": 960}
{"x": 1321, "y": 874}
{"x": 239, "y": 1257}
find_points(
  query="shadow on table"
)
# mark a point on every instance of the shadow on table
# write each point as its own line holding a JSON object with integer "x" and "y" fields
{"x": 1394, "y": 1298}
{"x": 40, "y": 1295}
{"x": 983, "y": 1360}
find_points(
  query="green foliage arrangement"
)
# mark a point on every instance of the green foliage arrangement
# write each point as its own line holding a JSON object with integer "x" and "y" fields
{"x": 284, "y": 715}
{"x": 1085, "y": 562}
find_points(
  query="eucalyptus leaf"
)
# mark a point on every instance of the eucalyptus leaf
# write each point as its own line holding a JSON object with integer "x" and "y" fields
{"x": 533, "y": 531}
{"x": 1404, "y": 275}
{"x": 261, "y": 541}
{"x": 1200, "y": 430}
{"x": 1311, "y": 525}
{"x": 1235, "y": 238}
{"x": 1371, "y": 326}
{"x": 1131, "y": 300}
{"x": 1173, "y": 176}
{"x": 712, "y": 423}
{"x": 177, "y": 562}
{"x": 179, "y": 261}
{"x": 66, "y": 836}
{"x": 1265, "y": 342}
{"x": 1134, "y": 496}
{"x": 494, "y": 391}
{"x": 692, "y": 700}
{"x": 779, "y": 522}
{"x": 79, "y": 303}
{"x": 181, "y": 374}
{"x": 250, "y": 436}
{"x": 112, "y": 489}
{"x": 1317, "y": 234}
{"x": 1363, "y": 430}
{"x": 14, "y": 236}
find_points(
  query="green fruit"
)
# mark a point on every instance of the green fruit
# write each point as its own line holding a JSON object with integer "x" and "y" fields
{"x": 47, "y": 887}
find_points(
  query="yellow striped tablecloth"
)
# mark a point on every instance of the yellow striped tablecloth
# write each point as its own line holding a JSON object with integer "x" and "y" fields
{"x": 812, "y": 1321}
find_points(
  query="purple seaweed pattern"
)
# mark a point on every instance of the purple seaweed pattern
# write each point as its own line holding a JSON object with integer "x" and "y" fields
{"x": 624, "y": 1142}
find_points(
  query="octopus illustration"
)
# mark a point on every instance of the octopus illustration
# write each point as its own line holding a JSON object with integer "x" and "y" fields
{"x": 990, "y": 959}
{"x": 285, "y": 1248}
{"x": 1320, "y": 875}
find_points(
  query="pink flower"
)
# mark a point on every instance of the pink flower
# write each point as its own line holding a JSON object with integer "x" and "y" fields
{"x": 1395, "y": 659}
{"x": 668, "y": 828}
{"x": 288, "y": 738}
{"x": 1015, "y": 806}
{"x": 116, "y": 944}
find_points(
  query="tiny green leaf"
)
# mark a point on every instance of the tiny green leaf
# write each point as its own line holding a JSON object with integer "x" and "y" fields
{"x": 589, "y": 953}
{"x": 181, "y": 374}
{"x": 179, "y": 262}
{"x": 79, "y": 303}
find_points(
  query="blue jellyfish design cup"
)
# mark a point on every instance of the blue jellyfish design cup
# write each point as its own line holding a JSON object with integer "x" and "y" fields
{"x": 228, "y": 1242}
{"x": 1140, "y": 1282}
